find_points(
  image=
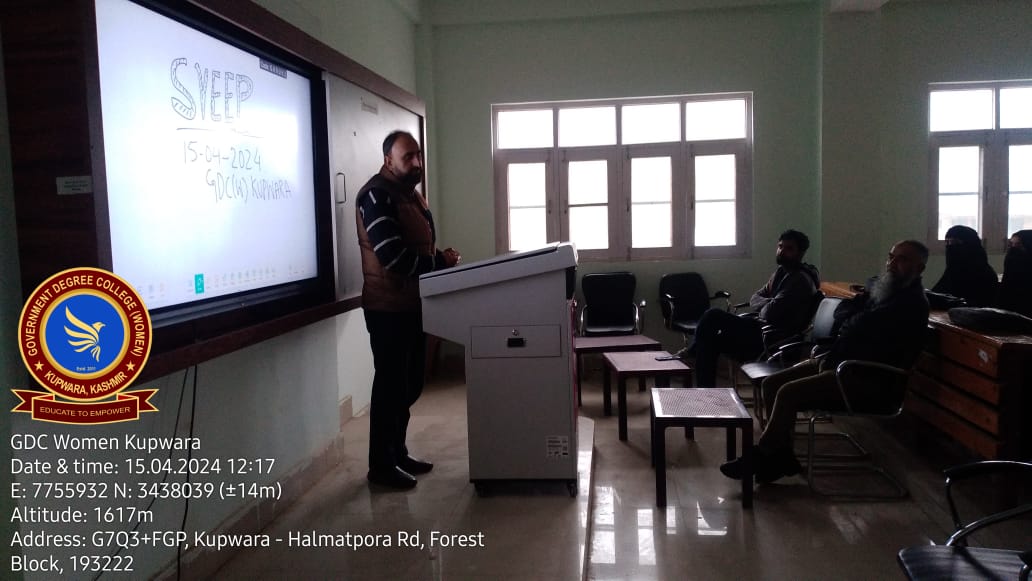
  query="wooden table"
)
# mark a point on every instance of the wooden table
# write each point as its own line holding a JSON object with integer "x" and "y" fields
{"x": 609, "y": 343}
{"x": 640, "y": 364}
{"x": 718, "y": 407}
{"x": 842, "y": 290}
{"x": 975, "y": 387}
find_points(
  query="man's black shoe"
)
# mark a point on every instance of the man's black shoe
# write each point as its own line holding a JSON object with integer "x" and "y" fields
{"x": 414, "y": 465}
{"x": 777, "y": 466}
{"x": 766, "y": 467}
{"x": 733, "y": 469}
{"x": 392, "y": 478}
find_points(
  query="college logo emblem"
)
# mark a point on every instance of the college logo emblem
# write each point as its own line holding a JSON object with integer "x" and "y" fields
{"x": 84, "y": 335}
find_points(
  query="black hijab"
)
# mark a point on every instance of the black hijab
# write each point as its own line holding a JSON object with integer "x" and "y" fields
{"x": 968, "y": 274}
{"x": 1016, "y": 289}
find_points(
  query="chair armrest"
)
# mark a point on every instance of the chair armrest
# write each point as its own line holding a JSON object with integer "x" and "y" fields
{"x": 985, "y": 467}
{"x": 869, "y": 376}
{"x": 977, "y": 469}
{"x": 787, "y": 352}
{"x": 723, "y": 294}
{"x": 671, "y": 307}
{"x": 580, "y": 321}
{"x": 957, "y": 538}
{"x": 735, "y": 307}
{"x": 821, "y": 347}
{"x": 639, "y": 317}
{"x": 772, "y": 342}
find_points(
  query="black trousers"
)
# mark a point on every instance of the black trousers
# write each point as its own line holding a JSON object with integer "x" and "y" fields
{"x": 399, "y": 351}
{"x": 722, "y": 332}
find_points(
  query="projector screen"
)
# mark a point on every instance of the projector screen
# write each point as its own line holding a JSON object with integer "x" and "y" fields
{"x": 208, "y": 153}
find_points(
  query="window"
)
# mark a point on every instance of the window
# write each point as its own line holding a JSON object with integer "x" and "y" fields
{"x": 980, "y": 137}
{"x": 665, "y": 177}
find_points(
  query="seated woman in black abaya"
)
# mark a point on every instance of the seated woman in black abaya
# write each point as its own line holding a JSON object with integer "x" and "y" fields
{"x": 968, "y": 274}
{"x": 1016, "y": 289}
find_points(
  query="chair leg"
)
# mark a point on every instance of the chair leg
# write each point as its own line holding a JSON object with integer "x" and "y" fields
{"x": 847, "y": 464}
{"x": 759, "y": 407}
{"x": 859, "y": 452}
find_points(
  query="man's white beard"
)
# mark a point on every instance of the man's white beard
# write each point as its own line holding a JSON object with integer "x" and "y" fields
{"x": 888, "y": 284}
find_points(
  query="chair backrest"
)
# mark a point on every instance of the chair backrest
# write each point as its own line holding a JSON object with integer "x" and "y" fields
{"x": 775, "y": 337}
{"x": 609, "y": 302}
{"x": 824, "y": 319}
{"x": 689, "y": 292}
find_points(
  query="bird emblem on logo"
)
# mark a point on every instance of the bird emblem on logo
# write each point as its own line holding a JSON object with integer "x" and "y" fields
{"x": 88, "y": 337}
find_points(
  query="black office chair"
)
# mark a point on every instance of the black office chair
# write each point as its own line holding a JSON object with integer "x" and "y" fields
{"x": 609, "y": 307}
{"x": 683, "y": 298}
{"x": 774, "y": 338}
{"x": 787, "y": 352}
{"x": 955, "y": 560}
{"x": 886, "y": 387}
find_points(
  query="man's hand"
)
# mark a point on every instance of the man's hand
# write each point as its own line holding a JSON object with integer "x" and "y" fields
{"x": 451, "y": 257}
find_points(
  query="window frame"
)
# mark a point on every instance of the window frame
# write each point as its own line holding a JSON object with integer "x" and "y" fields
{"x": 590, "y": 153}
{"x": 994, "y": 167}
{"x": 501, "y": 175}
{"x": 678, "y": 204}
{"x": 619, "y": 215}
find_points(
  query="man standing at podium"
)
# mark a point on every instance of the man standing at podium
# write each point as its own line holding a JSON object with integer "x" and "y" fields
{"x": 397, "y": 239}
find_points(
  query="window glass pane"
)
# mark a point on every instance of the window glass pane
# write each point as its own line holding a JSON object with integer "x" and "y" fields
{"x": 527, "y": 228}
{"x": 1019, "y": 200}
{"x": 589, "y": 227}
{"x": 959, "y": 169}
{"x": 654, "y": 123}
{"x": 587, "y": 126}
{"x": 961, "y": 110}
{"x": 532, "y": 128}
{"x": 651, "y": 179}
{"x": 1020, "y": 166}
{"x": 651, "y": 226}
{"x": 957, "y": 211}
{"x": 526, "y": 184}
{"x": 715, "y": 224}
{"x": 1019, "y": 213}
{"x": 715, "y": 177}
{"x": 714, "y": 119}
{"x": 1016, "y": 107}
{"x": 589, "y": 182}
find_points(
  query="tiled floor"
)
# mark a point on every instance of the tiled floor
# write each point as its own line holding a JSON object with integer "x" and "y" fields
{"x": 536, "y": 532}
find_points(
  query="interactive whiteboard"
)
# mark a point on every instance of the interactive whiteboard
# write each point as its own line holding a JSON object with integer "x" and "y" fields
{"x": 209, "y": 160}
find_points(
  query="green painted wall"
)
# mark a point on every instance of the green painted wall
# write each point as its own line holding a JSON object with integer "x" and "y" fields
{"x": 840, "y": 107}
{"x": 877, "y": 68}
{"x": 770, "y": 50}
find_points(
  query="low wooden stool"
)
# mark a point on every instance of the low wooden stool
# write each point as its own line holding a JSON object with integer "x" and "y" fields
{"x": 610, "y": 343}
{"x": 640, "y": 364}
{"x": 713, "y": 407}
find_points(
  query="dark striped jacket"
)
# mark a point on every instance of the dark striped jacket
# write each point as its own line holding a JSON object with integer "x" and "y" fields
{"x": 397, "y": 238}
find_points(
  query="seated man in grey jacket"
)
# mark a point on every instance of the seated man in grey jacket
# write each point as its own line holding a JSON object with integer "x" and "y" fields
{"x": 784, "y": 304}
